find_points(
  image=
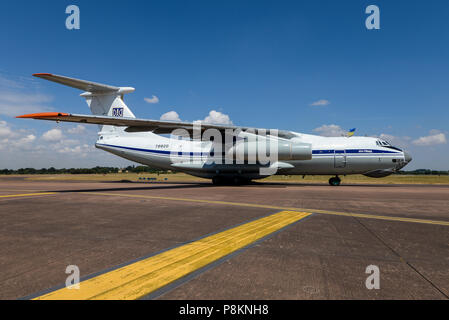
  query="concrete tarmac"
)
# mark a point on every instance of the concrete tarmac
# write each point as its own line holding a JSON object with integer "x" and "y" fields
{"x": 97, "y": 226}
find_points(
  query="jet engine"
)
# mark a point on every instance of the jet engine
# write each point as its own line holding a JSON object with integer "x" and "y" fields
{"x": 271, "y": 149}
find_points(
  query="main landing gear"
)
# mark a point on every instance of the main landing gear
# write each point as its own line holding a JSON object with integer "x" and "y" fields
{"x": 230, "y": 181}
{"x": 335, "y": 181}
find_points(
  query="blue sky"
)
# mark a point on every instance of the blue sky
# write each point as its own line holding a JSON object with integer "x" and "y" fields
{"x": 262, "y": 63}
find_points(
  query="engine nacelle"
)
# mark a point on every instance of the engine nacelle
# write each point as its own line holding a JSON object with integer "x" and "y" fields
{"x": 286, "y": 150}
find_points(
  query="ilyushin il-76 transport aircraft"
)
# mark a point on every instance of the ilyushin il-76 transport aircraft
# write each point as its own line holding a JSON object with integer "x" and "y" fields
{"x": 223, "y": 153}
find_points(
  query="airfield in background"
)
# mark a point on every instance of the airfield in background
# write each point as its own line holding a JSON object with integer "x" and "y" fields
{"x": 181, "y": 177}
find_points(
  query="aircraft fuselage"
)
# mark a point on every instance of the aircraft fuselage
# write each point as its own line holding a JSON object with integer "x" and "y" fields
{"x": 330, "y": 156}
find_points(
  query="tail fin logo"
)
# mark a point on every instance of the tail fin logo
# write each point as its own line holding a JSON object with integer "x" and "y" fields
{"x": 117, "y": 112}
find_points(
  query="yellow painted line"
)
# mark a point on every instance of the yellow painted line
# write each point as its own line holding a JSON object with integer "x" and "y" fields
{"x": 254, "y": 205}
{"x": 19, "y": 190}
{"x": 28, "y": 195}
{"x": 388, "y": 218}
{"x": 146, "y": 276}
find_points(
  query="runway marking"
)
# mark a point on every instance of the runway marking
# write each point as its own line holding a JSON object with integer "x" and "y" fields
{"x": 18, "y": 190}
{"x": 28, "y": 195}
{"x": 254, "y": 205}
{"x": 146, "y": 276}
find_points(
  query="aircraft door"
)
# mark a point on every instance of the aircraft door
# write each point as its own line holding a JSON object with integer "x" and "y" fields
{"x": 339, "y": 158}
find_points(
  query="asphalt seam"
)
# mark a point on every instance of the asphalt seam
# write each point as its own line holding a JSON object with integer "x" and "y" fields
{"x": 379, "y": 238}
{"x": 254, "y": 205}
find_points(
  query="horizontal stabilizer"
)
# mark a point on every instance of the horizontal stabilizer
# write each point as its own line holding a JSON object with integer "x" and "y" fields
{"x": 84, "y": 85}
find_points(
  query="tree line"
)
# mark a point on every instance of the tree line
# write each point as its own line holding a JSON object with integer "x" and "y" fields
{"x": 145, "y": 169}
{"x": 96, "y": 170}
{"x": 425, "y": 172}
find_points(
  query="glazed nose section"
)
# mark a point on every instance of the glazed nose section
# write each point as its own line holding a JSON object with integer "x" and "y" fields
{"x": 407, "y": 157}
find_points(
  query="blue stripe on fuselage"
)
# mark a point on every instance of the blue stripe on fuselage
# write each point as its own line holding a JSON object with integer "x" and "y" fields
{"x": 353, "y": 151}
{"x": 314, "y": 152}
{"x": 157, "y": 151}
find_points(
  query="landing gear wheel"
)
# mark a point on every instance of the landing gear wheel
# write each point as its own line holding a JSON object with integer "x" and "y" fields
{"x": 221, "y": 181}
{"x": 335, "y": 181}
{"x": 216, "y": 181}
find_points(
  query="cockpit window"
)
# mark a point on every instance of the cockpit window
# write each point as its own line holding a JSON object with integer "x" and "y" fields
{"x": 383, "y": 143}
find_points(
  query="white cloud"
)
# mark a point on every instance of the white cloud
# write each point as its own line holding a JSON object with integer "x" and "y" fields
{"x": 322, "y": 102}
{"x": 13, "y": 105}
{"x": 434, "y": 138}
{"x": 79, "y": 129}
{"x": 28, "y": 139}
{"x": 434, "y": 132}
{"x": 5, "y": 130}
{"x": 69, "y": 142}
{"x": 23, "y": 98}
{"x": 152, "y": 100}
{"x": 170, "y": 116}
{"x": 81, "y": 150}
{"x": 16, "y": 99}
{"x": 20, "y": 148}
{"x": 14, "y": 139}
{"x": 331, "y": 130}
{"x": 216, "y": 117}
{"x": 53, "y": 135}
{"x": 4, "y": 82}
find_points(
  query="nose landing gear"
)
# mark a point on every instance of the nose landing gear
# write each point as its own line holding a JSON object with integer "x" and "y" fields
{"x": 335, "y": 181}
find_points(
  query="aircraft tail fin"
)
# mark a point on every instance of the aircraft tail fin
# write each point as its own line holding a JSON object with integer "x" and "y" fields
{"x": 102, "y": 99}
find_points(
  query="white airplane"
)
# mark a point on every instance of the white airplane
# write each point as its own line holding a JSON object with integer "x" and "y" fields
{"x": 233, "y": 154}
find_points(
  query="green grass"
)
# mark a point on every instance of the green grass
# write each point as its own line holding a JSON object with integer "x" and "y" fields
{"x": 181, "y": 177}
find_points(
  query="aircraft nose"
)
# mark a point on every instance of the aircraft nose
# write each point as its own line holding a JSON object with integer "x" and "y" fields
{"x": 407, "y": 157}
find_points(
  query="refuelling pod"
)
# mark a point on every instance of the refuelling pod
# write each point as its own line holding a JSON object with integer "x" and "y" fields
{"x": 285, "y": 150}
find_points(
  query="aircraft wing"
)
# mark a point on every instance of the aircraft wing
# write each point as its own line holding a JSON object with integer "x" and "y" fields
{"x": 141, "y": 125}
